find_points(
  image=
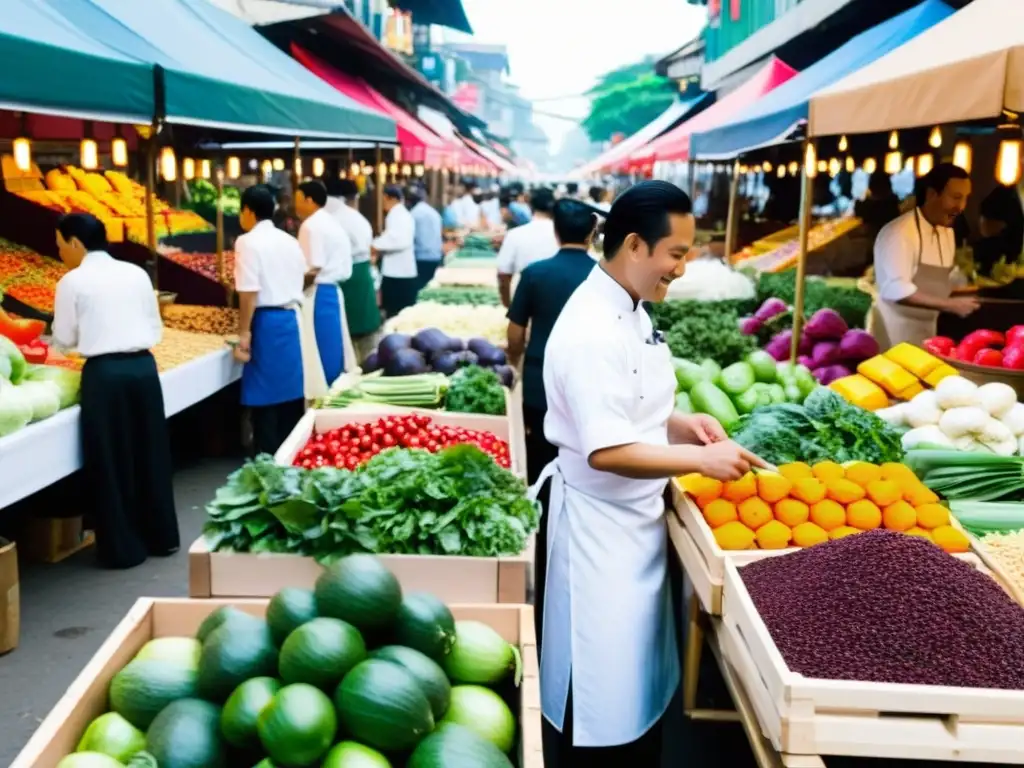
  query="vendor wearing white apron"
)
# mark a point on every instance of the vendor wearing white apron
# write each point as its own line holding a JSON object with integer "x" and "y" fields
{"x": 914, "y": 261}
{"x": 269, "y": 274}
{"x": 609, "y": 661}
{"x": 328, "y": 252}
{"x": 394, "y": 249}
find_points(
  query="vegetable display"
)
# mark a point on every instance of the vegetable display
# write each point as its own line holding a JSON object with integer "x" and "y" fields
{"x": 354, "y": 444}
{"x": 828, "y": 347}
{"x": 457, "y": 501}
{"x": 431, "y": 349}
{"x": 463, "y": 321}
{"x": 709, "y": 335}
{"x": 318, "y": 688}
{"x": 958, "y": 414}
{"x": 969, "y": 475}
{"x": 983, "y": 347}
{"x": 475, "y": 390}
{"x": 30, "y": 393}
{"x": 458, "y": 294}
{"x": 469, "y": 390}
{"x": 804, "y": 505}
{"x": 824, "y": 428}
{"x": 870, "y": 607}
{"x": 710, "y": 279}
{"x": 900, "y": 373}
{"x": 850, "y": 302}
{"x": 725, "y": 393}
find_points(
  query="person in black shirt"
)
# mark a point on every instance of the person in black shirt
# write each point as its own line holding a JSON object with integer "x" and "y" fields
{"x": 1001, "y": 225}
{"x": 544, "y": 288}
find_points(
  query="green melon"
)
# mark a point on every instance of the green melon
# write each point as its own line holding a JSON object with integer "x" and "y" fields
{"x": 233, "y": 653}
{"x": 454, "y": 746}
{"x": 432, "y": 679}
{"x": 112, "y": 735}
{"x": 288, "y": 610}
{"x": 359, "y": 589}
{"x": 242, "y": 710}
{"x": 321, "y": 652}
{"x": 227, "y": 614}
{"x": 145, "y": 686}
{"x": 382, "y": 705}
{"x": 186, "y": 734}
{"x": 350, "y": 754}
{"x": 298, "y": 726}
{"x": 425, "y": 623}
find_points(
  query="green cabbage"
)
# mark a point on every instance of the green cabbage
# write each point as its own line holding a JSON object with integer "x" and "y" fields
{"x": 12, "y": 362}
{"x": 43, "y": 396}
{"x": 15, "y": 408}
{"x": 68, "y": 382}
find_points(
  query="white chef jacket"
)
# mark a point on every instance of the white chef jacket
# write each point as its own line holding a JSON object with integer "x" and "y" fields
{"x": 327, "y": 247}
{"x": 608, "y": 621}
{"x": 105, "y": 306}
{"x": 360, "y": 231}
{"x": 269, "y": 262}
{"x": 491, "y": 210}
{"x": 467, "y": 210}
{"x": 899, "y": 250}
{"x": 398, "y": 259}
{"x": 526, "y": 244}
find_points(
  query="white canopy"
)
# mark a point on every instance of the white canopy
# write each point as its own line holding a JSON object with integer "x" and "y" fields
{"x": 967, "y": 67}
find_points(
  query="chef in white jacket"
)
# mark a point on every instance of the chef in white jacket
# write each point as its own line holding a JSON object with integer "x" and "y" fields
{"x": 396, "y": 257}
{"x": 609, "y": 661}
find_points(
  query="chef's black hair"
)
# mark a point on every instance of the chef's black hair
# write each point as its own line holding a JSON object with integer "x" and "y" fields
{"x": 315, "y": 191}
{"x": 542, "y": 200}
{"x": 937, "y": 179}
{"x": 572, "y": 188}
{"x": 259, "y": 199}
{"x": 393, "y": 191}
{"x": 643, "y": 210}
{"x": 347, "y": 188}
{"x": 414, "y": 194}
{"x": 89, "y": 230}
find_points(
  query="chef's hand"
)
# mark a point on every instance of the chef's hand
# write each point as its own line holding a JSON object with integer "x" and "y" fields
{"x": 243, "y": 350}
{"x": 701, "y": 429}
{"x": 962, "y": 306}
{"x": 728, "y": 461}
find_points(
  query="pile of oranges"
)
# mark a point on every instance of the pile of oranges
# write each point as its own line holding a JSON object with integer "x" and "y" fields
{"x": 801, "y": 505}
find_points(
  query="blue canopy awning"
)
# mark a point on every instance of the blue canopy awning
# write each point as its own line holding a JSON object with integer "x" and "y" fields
{"x": 774, "y": 117}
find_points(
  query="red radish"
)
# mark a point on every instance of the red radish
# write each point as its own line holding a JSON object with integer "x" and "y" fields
{"x": 1015, "y": 335}
{"x": 991, "y": 357}
{"x": 939, "y": 345}
{"x": 1013, "y": 356}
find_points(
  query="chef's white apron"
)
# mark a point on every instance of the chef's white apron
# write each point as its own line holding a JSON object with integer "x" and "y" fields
{"x": 314, "y": 381}
{"x": 608, "y": 623}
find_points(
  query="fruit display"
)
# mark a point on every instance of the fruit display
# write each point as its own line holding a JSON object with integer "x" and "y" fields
{"x": 870, "y": 607}
{"x": 461, "y": 321}
{"x": 900, "y": 373}
{"x": 31, "y": 393}
{"x": 803, "y": 505}
{"x": 781, "y": 251}
{"x": 725, "y": 393}
{"x": 469, "y": 390}
{"x": 991, "y": 349}
{"x": 457, "y": 501}
{"x": 458, "y": 294}
{"x": 204, "y": 264}
{"x": 29, "y": 277}
{"x": 218, "y": 321}
{"x": 350, "y": 673}
{"x": 353, "y": 445}
{"x": 180, "y": 347}
{"x": 958, "y": 414}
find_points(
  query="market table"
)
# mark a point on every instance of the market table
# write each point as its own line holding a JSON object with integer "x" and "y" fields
{"x": 43, "y": 453}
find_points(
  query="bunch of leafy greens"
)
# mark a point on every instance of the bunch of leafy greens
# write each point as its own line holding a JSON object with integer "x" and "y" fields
{"x": 459, "y": 294}
{"x": 715, "y": 336}
{"x": 475, "y": 390}
{"x": 825, "y": 427}
{"x": 457, "y": 501}
{"x": 668, "y": 313}
{"x": 850, "y": 302}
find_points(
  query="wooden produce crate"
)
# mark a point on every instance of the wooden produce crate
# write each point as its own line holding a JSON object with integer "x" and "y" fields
{"x": 149, "y": 618}
{"x": 806, "y": 716}
{"x": 324, "y": 420}
{"x": 979, "y": 548}
{"x": 453, "y": 578}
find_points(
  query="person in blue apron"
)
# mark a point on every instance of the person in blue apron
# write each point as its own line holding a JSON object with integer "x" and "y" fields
{"x": 328, "y": 251}
{"x": 609, "y": 657}
{"x": 914, "y": 261}
{"x": 269, "y": 274}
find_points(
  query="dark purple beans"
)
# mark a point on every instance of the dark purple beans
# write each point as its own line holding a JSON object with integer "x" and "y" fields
{"x": 884, "y": 607}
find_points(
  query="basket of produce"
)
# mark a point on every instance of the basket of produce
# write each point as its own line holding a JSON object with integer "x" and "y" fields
{"x": 985, "y": 356}
{"x": 305, "y": 678}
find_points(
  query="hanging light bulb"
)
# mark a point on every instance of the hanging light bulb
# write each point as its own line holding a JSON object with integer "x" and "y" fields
{"x": 23, "y": 154}
{"x": 234, "y": 167}
{"x": 781, "y": 171}
{"x": 88, "y": 155}
{"x": 298, "y": 167}
{"x": 406, "y": 170}
{"x": 851, "y": 166}
{"x": 204, "y": 169}
{"x": 367, "y": 170}
{"x": 393, "y": 169}
{"x": 843, "y": 143}
{"x": 418, "y": 170}
{"x": 188, "y": 168}
{"x": 834, "y": 167}
{"x": 870, "y": 165}
{"x": 382, "y": 170}
{"x": 794, "y": 168}
{"x": 354, "y": 169}
{"x": 1008, "y": 162}
{"x": 119, "y": 152}
{"x": 267, "y": 168}
{"x": 742, "y": 169}
{"x": 168, "y": 164}
{"x": 810, "y": 161}
{"x": 893, "y": 163}
{"x": 963, "y": 155}
{"x": 894, "y": 140}
{"x": 935, "y": 138}
{"x": 766, "y": 167}
{"x": 924, "y": 164}
{"x": 318, "y": 166}
{"x": 277, "y": 164}
{"x": 909, "y": 164}
{"x": 822, "y": 166}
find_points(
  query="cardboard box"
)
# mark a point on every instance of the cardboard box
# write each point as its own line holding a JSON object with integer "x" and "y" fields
{"x": 86, "y": 698}
{"x": 10, "y": 597}
{"x": 53, "y": 539}
{"x": 454, "y": 579}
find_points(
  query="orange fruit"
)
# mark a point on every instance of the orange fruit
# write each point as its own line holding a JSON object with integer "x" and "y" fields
{"x": 827, "y": 514}
{"x": 754, "y": 513}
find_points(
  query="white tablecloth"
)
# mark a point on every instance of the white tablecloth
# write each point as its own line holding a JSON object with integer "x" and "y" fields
{"x": 44, "y": 452}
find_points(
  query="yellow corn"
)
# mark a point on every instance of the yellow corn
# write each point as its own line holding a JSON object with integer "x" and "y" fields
{"x": 910, "y": 392}
{"x": 937, "y": 375}
{"x": 890, "y": 376}
{"x": 860, "y": 391}
{"x": 914, "y": 359}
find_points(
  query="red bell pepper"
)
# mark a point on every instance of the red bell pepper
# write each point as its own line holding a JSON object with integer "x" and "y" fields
{"x": 1015, "y": 335}
{"x": 20, "y": 331}
{"x": 967, "y": 351}
{"x": 939, "y": 345}
{"x": 1013, "y": 357}
{"x": 35, "y": 352}
{"x": 984, "y": 338}
{"x": 990, "y": 357}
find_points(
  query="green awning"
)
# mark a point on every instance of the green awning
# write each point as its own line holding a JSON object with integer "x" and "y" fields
{"x": 55, "y": 67}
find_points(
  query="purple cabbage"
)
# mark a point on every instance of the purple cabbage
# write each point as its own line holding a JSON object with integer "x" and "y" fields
{"x": 829, "y": 373}
{"x": 770, "y": 309}
{"x": 857, "y": 346}
{"x": 825, "y": 353}
{"x": 826, "y": 325}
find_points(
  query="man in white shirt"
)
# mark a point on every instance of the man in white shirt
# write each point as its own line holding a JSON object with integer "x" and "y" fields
{"x": 328, "y": 252}
{"x": 270, "y": 273}
{"x": 526, "y": 244}
{"x": 361, "y": 311}
{"x": 609, "y": 661}
{"x": 466, "y": 206}
{"x": 107, "y": 310}
{"x": 914, "y": 260}
{"x": 394, "y": 248}
{"x": 490, "y": 208}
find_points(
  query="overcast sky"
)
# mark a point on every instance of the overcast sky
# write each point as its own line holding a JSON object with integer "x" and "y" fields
{"x": 557, "y": 48}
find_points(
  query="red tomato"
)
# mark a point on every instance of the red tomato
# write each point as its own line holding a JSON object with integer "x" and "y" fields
{"x": 967, "y": 351}
{"x": 991, "y": 357}
{"x": 939, "y": 345}
{"x": 1013, "y": 355}
{"x": 984, "y": 338}
{"x": 1015, "y": 335}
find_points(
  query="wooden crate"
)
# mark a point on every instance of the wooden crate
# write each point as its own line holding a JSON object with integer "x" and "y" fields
{"x": 454, "y": 579}
{"x": 805, "y": 716}
{"x": 1013, "y": 589}
{"x": 86, "y": 698}
{"x": 53, "y": 539}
